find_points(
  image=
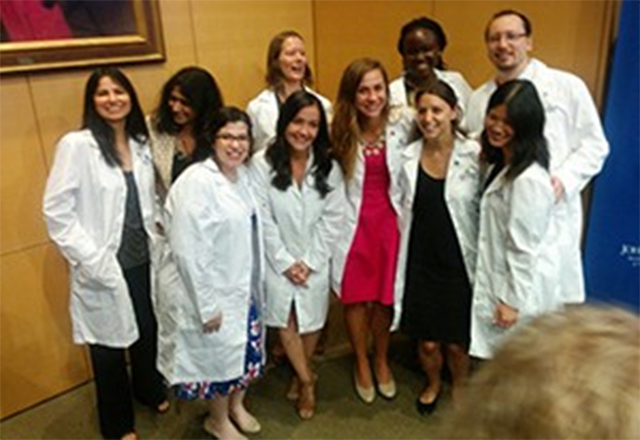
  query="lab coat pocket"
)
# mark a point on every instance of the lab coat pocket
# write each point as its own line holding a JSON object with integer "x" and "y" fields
{"x": 97, "y": 299}
{"x": 101, "y": 272}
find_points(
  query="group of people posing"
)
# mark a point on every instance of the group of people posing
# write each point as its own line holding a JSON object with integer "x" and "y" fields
{"x": 450, "y": 214}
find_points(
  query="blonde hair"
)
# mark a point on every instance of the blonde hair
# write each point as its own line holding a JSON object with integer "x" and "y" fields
{"x": 345, "y": 127}
{"x": 569, "y": 374}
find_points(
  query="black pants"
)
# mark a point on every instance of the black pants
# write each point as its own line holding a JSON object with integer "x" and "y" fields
{"x": 114, "y": 390}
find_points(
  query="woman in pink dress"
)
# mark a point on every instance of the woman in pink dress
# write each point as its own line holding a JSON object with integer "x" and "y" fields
{"x": 368, "y": 138}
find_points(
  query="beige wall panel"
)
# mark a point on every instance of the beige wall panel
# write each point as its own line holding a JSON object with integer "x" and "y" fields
{"x": 39, "y": 359}
{"x": 567, "y": 35}
{"x": 232, "y": 39}
{"x": 346, "y": 30}
{"x": 22, "y": 176}
{"x": 58, "y": 100}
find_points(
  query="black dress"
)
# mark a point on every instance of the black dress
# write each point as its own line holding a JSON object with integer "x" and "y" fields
{"x": 437, "y": 296}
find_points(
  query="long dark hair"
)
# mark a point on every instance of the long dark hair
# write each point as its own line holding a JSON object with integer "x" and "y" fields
{"x": 278, "y": 153}
{"x": 222, "y": 117}
{"x": 102, "y": 132}
{"x": 203, "y": 95}
{"x": 525, "y": 115}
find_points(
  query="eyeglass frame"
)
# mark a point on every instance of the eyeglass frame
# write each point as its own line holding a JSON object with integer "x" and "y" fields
{"x": 508, "y": 36}
{"x": 226, "y": 137}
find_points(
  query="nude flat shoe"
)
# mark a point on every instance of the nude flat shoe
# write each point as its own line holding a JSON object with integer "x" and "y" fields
{"x": 250, "y": 426}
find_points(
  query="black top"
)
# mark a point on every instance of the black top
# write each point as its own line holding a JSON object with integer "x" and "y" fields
{"x": 433, "y": 241}
{"x": 497, "y": 167}
{"x": 134, "y": 247}
{"x": 179, "y": 164}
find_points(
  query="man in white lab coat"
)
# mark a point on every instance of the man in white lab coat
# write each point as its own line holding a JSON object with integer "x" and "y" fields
{"x": 576, "y": 141}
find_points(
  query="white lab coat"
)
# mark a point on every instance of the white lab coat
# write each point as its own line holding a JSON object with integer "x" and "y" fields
{"x": 397, "y": 134}
{"x": 462, "y": 198}
{"x": 578, "y": 149}
{"x": 84, "y": 208}
{"x": 398, "y": 90}
{"x": 517, "y": 255}
{"x": 298, "y": 225}
{"x": 264, "y": 111}
{"x": 206, "y": 269}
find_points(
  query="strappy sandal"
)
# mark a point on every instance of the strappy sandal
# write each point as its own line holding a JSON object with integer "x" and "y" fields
{"x": 307, "y": 400}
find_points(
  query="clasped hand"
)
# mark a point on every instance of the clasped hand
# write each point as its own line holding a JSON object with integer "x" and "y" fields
{"x": 298, "y": 273}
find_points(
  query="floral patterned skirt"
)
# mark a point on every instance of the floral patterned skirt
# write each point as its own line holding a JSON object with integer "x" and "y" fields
{"x": 253, "y": 367}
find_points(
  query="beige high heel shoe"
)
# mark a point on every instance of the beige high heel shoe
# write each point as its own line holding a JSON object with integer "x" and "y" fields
{"x": 367, "y": 395}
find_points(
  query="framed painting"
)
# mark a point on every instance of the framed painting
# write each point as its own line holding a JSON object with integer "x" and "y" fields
{"x": 57, "y": 34}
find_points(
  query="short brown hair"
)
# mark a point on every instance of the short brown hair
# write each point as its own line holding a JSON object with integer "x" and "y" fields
{"x": 526, "y": 23}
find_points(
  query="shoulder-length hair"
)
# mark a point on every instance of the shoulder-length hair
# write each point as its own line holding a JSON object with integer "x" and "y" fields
{"x": 445, "y": 92}
{"x": 102, "y": 132}
{"x": 345, "y": 127}
{"x": 525, "y": 115}
{"x": 278, "y": 153}
{"x": 200, "y": 89}
{"x": 224, "y": 116}
{"x": 274, "y": 76}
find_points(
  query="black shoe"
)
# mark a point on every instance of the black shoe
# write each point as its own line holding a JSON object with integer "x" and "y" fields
{"x": 426, "y": 408}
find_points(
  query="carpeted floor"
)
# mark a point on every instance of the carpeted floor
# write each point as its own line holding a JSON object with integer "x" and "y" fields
{"x": 340, "y": 414}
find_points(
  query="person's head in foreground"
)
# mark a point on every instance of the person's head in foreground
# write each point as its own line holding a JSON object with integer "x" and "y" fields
{"x": 568, "y": 374}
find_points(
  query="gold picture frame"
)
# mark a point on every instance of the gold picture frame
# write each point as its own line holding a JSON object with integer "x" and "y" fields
{"x": 142, "y": 42}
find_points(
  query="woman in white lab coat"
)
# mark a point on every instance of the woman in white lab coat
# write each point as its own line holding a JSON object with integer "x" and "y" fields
{"x": 517, "y": 268}
{"x": 301, "y": 195}
{"x": 287, "y": 72}
{"x": 368, "y": 138}
{"x": 209, "y": 289}
{"x": 99, "y": 210}
{"x": 441, "y": 184}
{"x": 421, "y": 44}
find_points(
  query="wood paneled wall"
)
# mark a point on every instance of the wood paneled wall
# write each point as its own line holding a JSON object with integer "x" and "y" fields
{"x": 230, "y": 39}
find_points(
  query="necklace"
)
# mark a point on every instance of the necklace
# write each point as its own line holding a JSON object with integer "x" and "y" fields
{"x": 374, "y": 148}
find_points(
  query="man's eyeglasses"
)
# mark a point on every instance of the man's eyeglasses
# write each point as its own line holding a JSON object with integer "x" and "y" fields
{"x": 510, "y": 37}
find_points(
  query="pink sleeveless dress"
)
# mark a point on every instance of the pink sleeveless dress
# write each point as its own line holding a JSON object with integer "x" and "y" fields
{"x": 370, "y": 268}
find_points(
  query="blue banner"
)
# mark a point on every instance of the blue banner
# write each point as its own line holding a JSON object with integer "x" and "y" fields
{"x": 612, "y": 251}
